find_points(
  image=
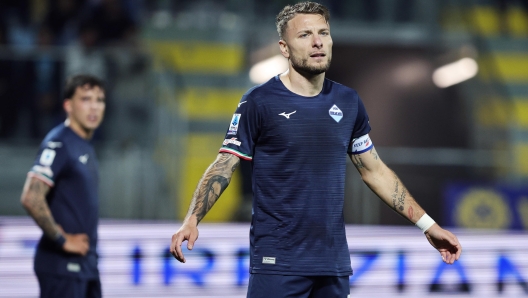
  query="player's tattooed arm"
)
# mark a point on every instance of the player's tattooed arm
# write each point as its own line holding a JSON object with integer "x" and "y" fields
{"x": 34, "y": 201}
{"x": 357, "y": 159}
{"x": 403, "y": 202}
{"x": 213, "y": 183}
{"x": 386, "y": 184}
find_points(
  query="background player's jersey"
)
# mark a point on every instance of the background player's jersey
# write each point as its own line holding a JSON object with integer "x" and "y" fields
{"x": 67, "y": 163}
{"x": 299, "y": 147}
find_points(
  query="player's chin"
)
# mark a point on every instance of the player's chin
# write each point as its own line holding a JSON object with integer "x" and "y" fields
{"x": 321, "y": 67}
{"x": 92, "y": 125}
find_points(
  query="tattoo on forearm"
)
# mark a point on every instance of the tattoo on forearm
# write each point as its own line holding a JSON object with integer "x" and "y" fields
{"x": 356, "y": 160}
{"x": 209, "y": 195}
{"x": 398, "y": 199}
{"x": 212, "y": 185}
{"x": 401, "y": 200}
{"x": 38, "y": 208}
{"x": 395, "y": 193}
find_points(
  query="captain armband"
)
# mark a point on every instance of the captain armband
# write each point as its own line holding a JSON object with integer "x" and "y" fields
{"x": 361, "y": 144}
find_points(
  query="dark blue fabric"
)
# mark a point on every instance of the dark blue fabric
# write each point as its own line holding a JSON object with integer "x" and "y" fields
{"x": 73, "y": 201}
{"x": 292, "y": 286}
{"x": 299, "y": 154}
{"x": 54, "y": 286}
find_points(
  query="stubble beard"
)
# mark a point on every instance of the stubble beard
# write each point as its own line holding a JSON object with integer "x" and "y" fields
{"x": 301, "y": 66}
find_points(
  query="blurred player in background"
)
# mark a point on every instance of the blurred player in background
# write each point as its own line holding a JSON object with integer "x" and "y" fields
{"x": 61, "y": 194}
{"x": 297, "y": 130}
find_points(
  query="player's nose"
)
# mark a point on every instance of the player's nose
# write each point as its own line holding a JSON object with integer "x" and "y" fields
{"x": 317, "y": 42}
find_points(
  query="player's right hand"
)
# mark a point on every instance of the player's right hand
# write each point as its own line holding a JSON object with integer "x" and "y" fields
{"x": 76, "y": 244}
{"x": 187, "y": 232}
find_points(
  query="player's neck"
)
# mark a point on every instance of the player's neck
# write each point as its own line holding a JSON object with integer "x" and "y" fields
{"x": 305, "y": 85}
{"x": 78, "y": 129}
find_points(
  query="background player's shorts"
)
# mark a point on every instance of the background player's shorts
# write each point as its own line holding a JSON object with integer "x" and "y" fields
{"x": 278, "y": 286}
{"x": 53, "y": 286}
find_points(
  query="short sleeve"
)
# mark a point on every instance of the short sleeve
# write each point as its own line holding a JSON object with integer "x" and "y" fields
{"x": 361, "y": 126}
{"x": 50, "y": 162}
{"x": 243, "y": 129}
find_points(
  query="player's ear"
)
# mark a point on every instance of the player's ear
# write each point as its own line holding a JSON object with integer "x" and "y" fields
{"x": 67, "y": 105}
{"x": 285, "y": 51}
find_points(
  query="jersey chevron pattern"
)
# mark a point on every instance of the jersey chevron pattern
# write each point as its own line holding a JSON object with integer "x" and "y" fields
{"x": 298, "y": 146}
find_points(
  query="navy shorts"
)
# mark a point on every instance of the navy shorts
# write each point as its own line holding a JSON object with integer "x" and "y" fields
{"x": 279, "y": 286}
{"x": 53, "y": 286}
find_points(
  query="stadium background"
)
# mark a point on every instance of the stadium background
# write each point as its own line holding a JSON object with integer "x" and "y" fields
{"x": 445, "y": 84}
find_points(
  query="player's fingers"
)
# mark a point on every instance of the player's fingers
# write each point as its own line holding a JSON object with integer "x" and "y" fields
{"x": 443, "y": 254}
{"x": 177, "y": 248}
{"x": 83, "y": 248}
{"x": 453, "y": 240}
{"x": 456, "y": 249}
{"x": 459, "y": 251}
{"x": 84, "y": 238}
{"x": 192, "y": 239}
{"x": 451, "y": 258}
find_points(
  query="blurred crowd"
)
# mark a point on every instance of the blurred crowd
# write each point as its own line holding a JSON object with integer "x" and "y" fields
{"x": 44, "y": 41}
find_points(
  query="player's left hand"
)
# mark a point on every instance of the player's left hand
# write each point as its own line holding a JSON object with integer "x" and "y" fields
{"x": 445, "y": 242}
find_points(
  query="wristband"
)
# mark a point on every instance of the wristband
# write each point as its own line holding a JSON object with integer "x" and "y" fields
{"x": 59, "y": 240}
{"x": 425, "y": 222}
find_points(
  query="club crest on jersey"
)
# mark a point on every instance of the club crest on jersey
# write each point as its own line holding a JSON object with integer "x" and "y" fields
{"x": 233, "y": 127}
{"x": 335, "y": 113}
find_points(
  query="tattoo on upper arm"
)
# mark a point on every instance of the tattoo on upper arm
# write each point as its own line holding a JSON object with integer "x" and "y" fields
{"x": 37, "y": 207}
{"x": 356, "y": 160}
{"x": 213, "y": 183}
{"x": 374, "y": 153}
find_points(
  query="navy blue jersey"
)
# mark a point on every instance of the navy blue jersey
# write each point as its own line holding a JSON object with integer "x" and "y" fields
{"x": 67, "y": 163}
{"x": 298, "y": 146}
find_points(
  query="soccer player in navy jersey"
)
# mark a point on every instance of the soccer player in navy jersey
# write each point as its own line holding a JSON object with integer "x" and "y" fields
{"x": 60, "y": 194}
{"x": 297, "y": 129}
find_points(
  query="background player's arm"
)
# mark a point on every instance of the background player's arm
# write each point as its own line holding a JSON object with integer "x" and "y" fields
{"x": 34, "y": 201}
{"x": 212, "y": 184}
{"x": 386, "y": 184}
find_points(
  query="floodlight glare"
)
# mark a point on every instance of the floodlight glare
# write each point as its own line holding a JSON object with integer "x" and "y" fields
{"x": 456, "y": 72}
{"x": 266, "y": 69}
